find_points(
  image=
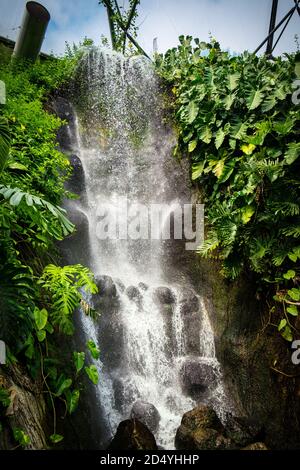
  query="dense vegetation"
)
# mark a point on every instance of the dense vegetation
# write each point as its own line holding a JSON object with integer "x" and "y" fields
{"x": 38, "y": 297}
{"x": 238, "y": 123}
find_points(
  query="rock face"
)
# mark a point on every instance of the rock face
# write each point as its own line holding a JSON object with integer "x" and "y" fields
{"x": 76, "y": 182}
{"x": 106, "y": 287}
{"x": 66, "y": 133}
{"x": 197, "y": 377}
{"x": 163, "y": 295}
{"x": 246, "y": 352}
{"x": 133, "y": 435}
{"x": 133, "y": 293}
{"x": 189, "y": 302}
{"x": 201, "y": 429}
{"x": 243, "y": 431}
{"x": 147, "y": 414}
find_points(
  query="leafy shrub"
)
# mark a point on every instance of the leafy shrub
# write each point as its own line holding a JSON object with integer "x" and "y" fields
{"x": 37, "y": 298}
{"x": 240, "y": 128}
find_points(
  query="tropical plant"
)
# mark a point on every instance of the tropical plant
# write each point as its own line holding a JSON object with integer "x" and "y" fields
{"x": 240, "y": 129}
{"x": 38, "y": 298}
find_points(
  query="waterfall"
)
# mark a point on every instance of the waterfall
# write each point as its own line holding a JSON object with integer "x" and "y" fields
{"x": 154, "y": 333}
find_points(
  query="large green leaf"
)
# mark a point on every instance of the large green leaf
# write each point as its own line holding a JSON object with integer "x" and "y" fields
{"x": 40, "y": 317}
{"x": 78, "y": 358}
{"x": 197, "y": 170}
{"x": 93, "y": 349}
{"x": 72, "y": 400}
{"x": 192, "y": 111}
{"x": 254, "y": 99}
{"x": 220, "y": 136}
{"x": 233, "y": 80}
{"x": 205, "y": 134}
{"x": 92, "y": 374}
{"x": 292, "y": 153}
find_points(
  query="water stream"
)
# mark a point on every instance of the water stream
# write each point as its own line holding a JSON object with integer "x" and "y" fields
{"x": 154, "y": 333}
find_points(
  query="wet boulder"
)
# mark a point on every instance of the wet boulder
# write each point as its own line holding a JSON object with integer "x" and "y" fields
{"x": 106, "y": 286}
{"x": 132, "y": 435}
{"x": 75, "y": 249}
{"x": 197, "y": 376}
{"x": 120, "y": 285}
{"x": 147, "y": 414}
{"x": 106, "y": 301}
{"x": 163, "y": 295}
{"x": 201, "y": 429}
{"x": 142, "y": 286}
{"x": 134, "y": 294}
{"x": 76, "y": 182}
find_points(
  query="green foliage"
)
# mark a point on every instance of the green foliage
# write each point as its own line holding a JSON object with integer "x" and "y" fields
{"x": 240, "y": 128}
{"x": 38, "y": 299}
{"x": 95, "y": 353}
{"x": 56, "y": 438}
{"x": 21, "y": 437}
{"x": 92, "y": 373}
{"x": 4, "y": 397}
{"x": 65, "y": 287}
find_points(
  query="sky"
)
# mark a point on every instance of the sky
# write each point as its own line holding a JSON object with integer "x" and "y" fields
{"x": 237, "y": 24}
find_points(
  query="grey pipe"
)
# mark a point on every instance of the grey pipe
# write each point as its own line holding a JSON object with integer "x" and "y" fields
{"x": 35, "y": 21}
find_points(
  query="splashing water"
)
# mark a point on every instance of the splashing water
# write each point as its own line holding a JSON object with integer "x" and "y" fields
{"x": 148, "y": 343}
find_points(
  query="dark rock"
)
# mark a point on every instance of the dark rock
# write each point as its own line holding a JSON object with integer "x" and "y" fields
{"x": 66, "y": 135}
{"x": 163, "y": 295}
{"x": 106, "y": 286}
{"x": 201, "y": 429}
{"x": 75, "y": 248}
{"x": 147, "y": 414}
{"x": 256, "y": 446}
{"x": 133, "y": 435}
{"x": 196, "y": 377}
{"x": 133, "y": 293}
{"x": 76, "y": 182}
{"x": 143, "y": 286}
{"x": 243, "y": 430}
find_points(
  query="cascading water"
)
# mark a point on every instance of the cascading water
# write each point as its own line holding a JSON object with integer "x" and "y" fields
{"x": 154, "y": 334}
